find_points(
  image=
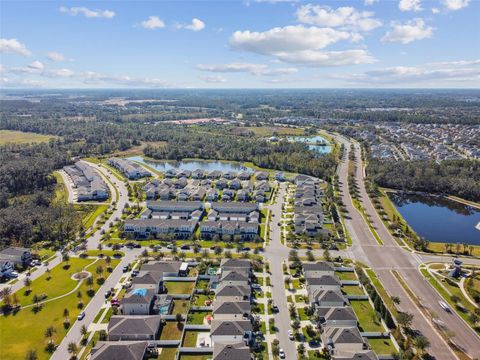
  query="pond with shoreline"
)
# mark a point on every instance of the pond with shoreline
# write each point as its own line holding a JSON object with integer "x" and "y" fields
{"x": 206, "y": 165}
{"x": 316, "y": 143}
{"x": 437, "y": 218}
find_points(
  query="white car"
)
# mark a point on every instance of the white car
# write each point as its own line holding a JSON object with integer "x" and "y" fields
{"x": 81, "y": 315}
{"x": 13, "y": 274}
{"x": 290, "y": 334}
{"x": 281, "y": 353}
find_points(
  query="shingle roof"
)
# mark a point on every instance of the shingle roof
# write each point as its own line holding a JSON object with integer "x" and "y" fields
{"x": 237, "y": 351}
{"x": 361, "y": 355}
{"x": 318, "y": 266}
{"x": 232, "y": 290}
{"x": 134, "y": 325}
{"x": 228, "y": 307}
{"x": 125, "y": 350}
{"x": 222, "y": 327}
{"x": 337, "y": 313}
{"x": 343, "y": 335}
{"x": 327, "y": 280}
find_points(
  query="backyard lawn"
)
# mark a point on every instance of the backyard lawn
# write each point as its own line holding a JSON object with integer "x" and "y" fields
{"x": 382, "y": 346}
{"x": 353, "y": 290}
{"x": 197, "y": 317}
{"x": 180, "y": 306}
{"x": 201, "y": 298}
{"x": 367, "y": 318}
{"x": 168, "y": 353}
{"x": 171, "y": 331}
{"x": 179, "y": 287}
{"x": 346, "y": 275}
{"x": 190, "y": 338}
{"x": 195, "y": 357}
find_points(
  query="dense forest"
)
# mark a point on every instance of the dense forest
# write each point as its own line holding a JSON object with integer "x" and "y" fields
{"x": 452, "y": 177}
{"x": 28, "y": 213}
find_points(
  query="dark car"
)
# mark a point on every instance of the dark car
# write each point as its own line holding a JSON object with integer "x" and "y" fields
{"x": 185, "y": 247}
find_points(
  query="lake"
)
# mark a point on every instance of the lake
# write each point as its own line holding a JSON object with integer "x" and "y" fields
{"x": 439, "y": 219}
{"x": 192, "y": 165}
{"x": 313, "y": 143}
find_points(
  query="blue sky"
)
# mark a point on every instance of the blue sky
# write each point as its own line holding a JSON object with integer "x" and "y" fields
{"x": 240, "y": 44}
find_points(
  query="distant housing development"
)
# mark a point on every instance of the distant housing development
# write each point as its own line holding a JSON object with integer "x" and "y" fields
{"x": 88, "y": 183}
{"x": 129, "y": 168}
{"x": 308, "y": 211}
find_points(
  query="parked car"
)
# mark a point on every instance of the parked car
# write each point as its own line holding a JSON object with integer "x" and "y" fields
{"x": 290, "y": 334}
{"x": 281, "y": 353}
{"x": 108, "y": 293}
{"x": 135, "y": 273}
{"x": 125, "y": 268}
{"x": 256, "y": 287}
{"x": 274, "y": 308}
{"x": 115, "y": 302}
{"x": 185, "y": 247}
{"x": 170, "y": 246}
{"x": 13, "y": 274}
{"x": 81, "y": 316}
{"x": 246, "y": 248}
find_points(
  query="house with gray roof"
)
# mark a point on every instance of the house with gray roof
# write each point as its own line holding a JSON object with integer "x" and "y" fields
{"x": 327, "y": 298}
{"x": 130, "y": 328}
{"x": 231, "y": 351}
{"x": 16, "y": 255}
{"x": 356, "y": 355}
{"x": 235, "y": 277}
{"x": 337, "y": 316}
{"x": 224, "y": 331}
{"x": 324, "y": 282}
{"x": 318, "y": 269}
{"x": 125, "y": 350}
{"x": 228, "y": 310}
{"x": 343, "y": 339}
{"x": 228, "y": 292}
{"x": 139, "y": 301}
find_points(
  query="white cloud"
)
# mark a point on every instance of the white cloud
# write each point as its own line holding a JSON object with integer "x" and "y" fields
{"x": 410, "y": 5}
{"x": 301, "y": 45}
{"x": 443, "y": 72}
{"x": 455, "y": 4}
{"x": 153, "y": 22}
{"x": 93, "y": 78}
{"x": 287, "y": 39}
{"x": 276, "y": 1}
{"x": 346, "y": 16}
{"x": 213, "y": 79}
{"x": 254, "y": 69}
{"x": 369, "y": 2}
{"x": 195, "y": 25}
{"x": 407, "y": 32}
{"x": 435, "y": 10}
{"x": 35, "y": 67}
{"x": 88, "y": 13}
{"x": 55, "y": 56}
{"x": 13, "y": 46}
{"x": 59, "y": 73}
{"x": 327, "y": 58}
{"x": 20, "y": 83}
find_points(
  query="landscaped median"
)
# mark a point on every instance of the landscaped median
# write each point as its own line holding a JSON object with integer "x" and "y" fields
{"x": 27, "y": 327}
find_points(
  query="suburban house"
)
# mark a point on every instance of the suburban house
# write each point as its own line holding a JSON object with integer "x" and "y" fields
{"x": 337, "y": 316}
{"x": 143, "y": 228}
{"x": 235, "y": 264}
{"x": 224, "y": 331}
{"x": 235, "y": 277}
{"x": 139, "y": 301}
{"x": 125, "y": 350}
{"x": 324, "y": 282}
{"x": 149, "y": 280}
{"x": 129, "y": 168}
{"x": 6, "y": 268}
{"x": 89, "y": 184}
{"x": 229, "y": 351}
{"x": 227, "y": 292}
{"x": 327, "y": 298}
{"x": 16, "y": 255}
{"x": 227, "y": 310}
{"x": 343, "y": 339}
{"x": 132, "y": 328}
{"x": 318, "y": 269}
{"x": 357, "y": 355}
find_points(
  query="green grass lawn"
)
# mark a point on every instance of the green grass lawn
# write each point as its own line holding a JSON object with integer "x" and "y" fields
{"x": 301, "y": 313}
{"x": 90, "y": 213}
{"x": 346, "y": 275}
{"x": 382, "y": 292}
{"x": 108, "y": 315}
{"x": 201, "y": 298}
{"x": 180, "y": 306}
{"x": 190, "y": 338}
{"x": 20, "y": 137}
{"x": 366, "y": 316}
{"x": 171, "y": 331}
{"x": 27, "y": 328}
{"x": 59, "y": 284}
{"x": 195, "y": 357}
{"x": 197, "y": 317}
{"x": 168, "y": 353}
{"x": 179, "y": 287}
{"x": 353, "y": 290}
{"x": 382, "y": 346}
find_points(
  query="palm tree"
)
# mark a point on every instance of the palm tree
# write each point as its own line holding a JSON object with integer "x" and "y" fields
{"x": 31, "y": 355}
{"x": 28, "y": 283}
{"x": 421, "y": 343}
{"x": 83, "y": 331}
{"x": 49, "y": 331}
{"x": 405, "y": 319}
{"x": 396, "y": 300}
{"x": 72, "y": 349}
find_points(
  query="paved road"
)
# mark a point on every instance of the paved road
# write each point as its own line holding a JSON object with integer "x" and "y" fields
{"x": 94, "y": 240}
{"x": 93, "y": 307}
{"x": 390, "y": 256}
{"x": 276, "y": 253}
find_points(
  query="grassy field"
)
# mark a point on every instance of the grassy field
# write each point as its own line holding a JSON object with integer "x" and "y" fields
{"x": 382, "y": 346}
{"x": 91, "y": 213}
{"x": 346, "y": 275}
{"x": 269, "y": 130}
{"x": 387, "y": 299}
{"x": 171, "y": 331}
{"x": 367, "y": 319}
{"x": 179, "y": 287}
{"x": 180, "y": 306}
{"x": 20, "y": 137}
{"x": 61, "y": 192}
{"x": 27, "y": 328}
{"x": 353, "y": 290}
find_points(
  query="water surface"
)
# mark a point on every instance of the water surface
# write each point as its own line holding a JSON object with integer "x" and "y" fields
{"x": 439, "y": 219}
{"x": 316, "y": 143}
